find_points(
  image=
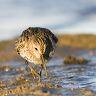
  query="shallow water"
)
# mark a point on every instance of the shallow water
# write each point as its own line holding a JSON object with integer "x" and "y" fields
{"x": 66, "y": 80}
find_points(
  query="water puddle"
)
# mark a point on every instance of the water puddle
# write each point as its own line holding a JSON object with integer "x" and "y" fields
{"x": 63, "y": 80}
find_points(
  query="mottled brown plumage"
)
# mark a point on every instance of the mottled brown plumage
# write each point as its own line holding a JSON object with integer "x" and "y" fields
{"x": 36, "y": 45}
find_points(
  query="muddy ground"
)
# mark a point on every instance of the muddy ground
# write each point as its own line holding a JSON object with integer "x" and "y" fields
{"x": 63, "y": 79}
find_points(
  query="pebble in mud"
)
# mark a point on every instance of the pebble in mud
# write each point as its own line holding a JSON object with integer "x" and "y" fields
{"x": 20, "y": 80}
{"x": 5, "y": 68}
{"x": 2, "y": 85}
{"x": 75, "y": 60}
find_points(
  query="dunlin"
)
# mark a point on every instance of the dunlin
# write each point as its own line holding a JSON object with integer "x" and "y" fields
{"x": 36, "y": 45}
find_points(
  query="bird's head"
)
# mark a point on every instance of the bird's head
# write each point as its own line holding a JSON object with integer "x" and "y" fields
{"x": 40, "y": 49}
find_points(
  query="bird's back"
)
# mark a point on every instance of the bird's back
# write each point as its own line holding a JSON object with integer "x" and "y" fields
{"x": 38, "y": 32}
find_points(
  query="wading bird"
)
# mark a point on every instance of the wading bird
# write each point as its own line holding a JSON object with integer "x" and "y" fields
{"x": 36, "y": 45}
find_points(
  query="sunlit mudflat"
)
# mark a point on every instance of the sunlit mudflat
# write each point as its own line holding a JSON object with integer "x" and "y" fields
{"x": 63, "y": 79}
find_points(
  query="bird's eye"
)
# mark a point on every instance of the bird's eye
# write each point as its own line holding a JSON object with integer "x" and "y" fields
{"x": 36, "y": 49}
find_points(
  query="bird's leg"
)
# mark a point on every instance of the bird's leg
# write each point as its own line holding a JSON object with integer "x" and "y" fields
{"x": 41, "y": 71}
{"x": 26, "y": 62}
{"x": 44, "y": 66}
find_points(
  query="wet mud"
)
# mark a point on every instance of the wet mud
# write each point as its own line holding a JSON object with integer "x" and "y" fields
{"x": 63, "y": 79}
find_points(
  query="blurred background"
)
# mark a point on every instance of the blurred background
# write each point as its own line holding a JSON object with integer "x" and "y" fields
{"x": 74, "y": 63}
{"x": 60, "y": 16}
